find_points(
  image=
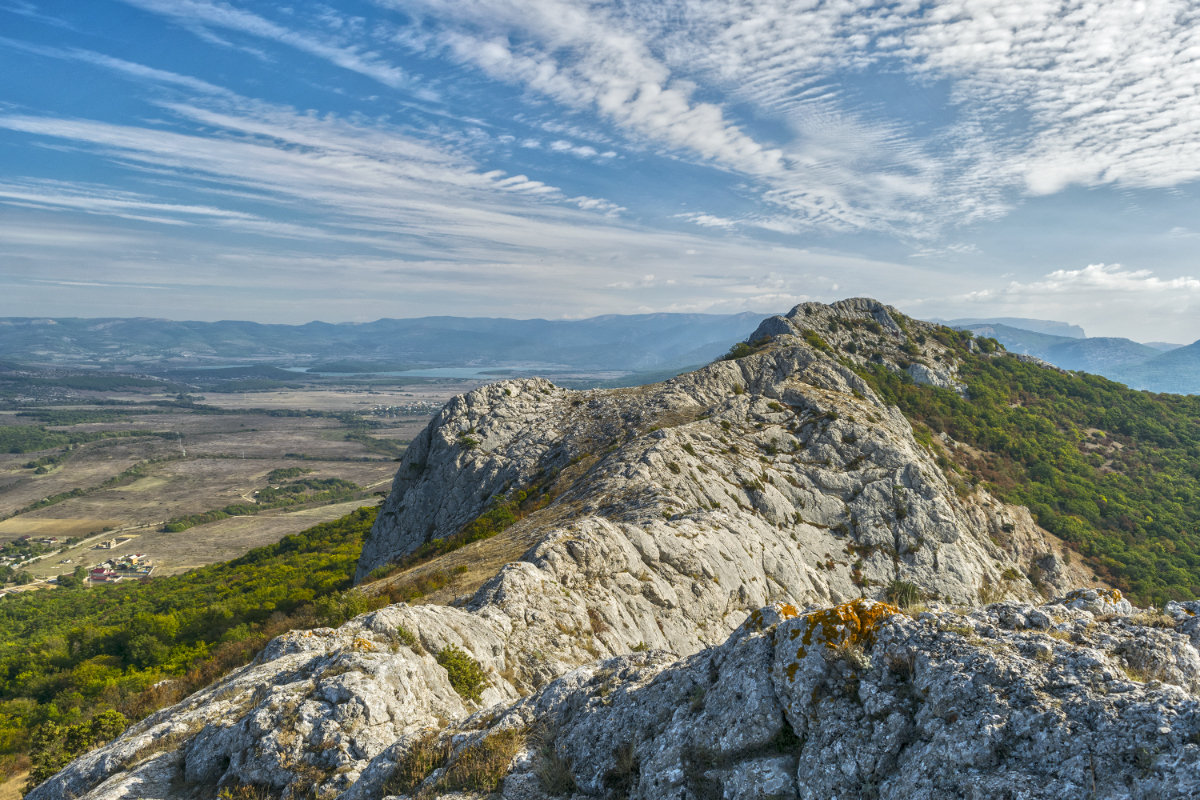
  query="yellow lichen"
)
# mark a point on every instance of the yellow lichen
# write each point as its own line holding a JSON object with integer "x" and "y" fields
{"x": 850, "y": 623}
{"x": 360, "y": 643}
{"x": 757, "y": 620}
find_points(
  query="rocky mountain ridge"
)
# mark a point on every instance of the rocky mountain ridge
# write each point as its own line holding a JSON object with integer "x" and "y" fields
{"x": 634, "y": 528}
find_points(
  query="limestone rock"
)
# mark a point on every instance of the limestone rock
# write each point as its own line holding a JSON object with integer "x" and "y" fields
{"x": 861, "y": 700}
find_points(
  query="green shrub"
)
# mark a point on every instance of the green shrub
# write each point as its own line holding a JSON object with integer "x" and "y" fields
{"x": 54, "y": 746}
{"x": 464, "y": 672}
{"x": 739, "y": 350}
{"x": 1110, "y": 470}
{"x": 408, "y": 638}
{"x": 743, "y": 349}
{"x": 67, "y": 657}
{"x": 814, "y": 340}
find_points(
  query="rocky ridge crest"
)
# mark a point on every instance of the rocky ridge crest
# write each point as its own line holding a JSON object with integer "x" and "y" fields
{"x": 667, "y": 516}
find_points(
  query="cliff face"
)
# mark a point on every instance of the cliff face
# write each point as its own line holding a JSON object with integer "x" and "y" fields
{"x": 651, "y": 521}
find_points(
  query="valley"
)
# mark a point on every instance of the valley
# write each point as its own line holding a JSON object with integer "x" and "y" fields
{"x": 134, "y": 465}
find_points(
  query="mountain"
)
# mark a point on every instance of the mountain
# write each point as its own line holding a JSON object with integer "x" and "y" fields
{"x": 1175, "y": 371}
{"x": 632, "y": 343}
{"x": 1156, "y": 367}
{"x": 1019, "y": 340}
{"x": 1044, "y": 326}
{"x": 754, "y": 580}
{"x": 1100, "y": 355}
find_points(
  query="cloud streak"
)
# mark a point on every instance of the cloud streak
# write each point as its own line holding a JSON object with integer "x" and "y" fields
{"x": 1042, "y": 94}
{"x": 221, "y": 15}
{"x": 565, "y": 143}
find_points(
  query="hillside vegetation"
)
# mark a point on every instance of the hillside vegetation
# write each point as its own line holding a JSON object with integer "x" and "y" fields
{"x": 1113, "y": 471}
{"x": 76, "y": 664}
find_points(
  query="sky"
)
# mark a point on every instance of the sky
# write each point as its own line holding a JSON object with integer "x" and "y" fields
{"x": 346, "y": 161}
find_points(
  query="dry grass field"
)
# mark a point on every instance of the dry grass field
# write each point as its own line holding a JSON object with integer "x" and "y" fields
{"x": 13, "y": 788}
{"x": 52, "y": 526}
{"x": 199, "y": 461}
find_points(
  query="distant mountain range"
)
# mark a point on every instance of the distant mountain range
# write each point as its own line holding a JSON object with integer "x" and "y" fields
{"x": 649, "y": 345}
{"x": 1046, "y": 326}
{"x": 1155, "y": 366}
{"x": 634, "y": 343}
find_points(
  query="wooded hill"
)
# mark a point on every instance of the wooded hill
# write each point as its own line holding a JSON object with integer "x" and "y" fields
{"x": 1113, "y": 471}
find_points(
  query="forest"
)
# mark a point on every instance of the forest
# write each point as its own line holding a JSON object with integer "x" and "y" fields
{"x": 77, "y": 664}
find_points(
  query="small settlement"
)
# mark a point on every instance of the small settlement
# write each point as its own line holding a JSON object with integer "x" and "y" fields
{"x": 25, "y": 549}
{"x": 131, "y": 565}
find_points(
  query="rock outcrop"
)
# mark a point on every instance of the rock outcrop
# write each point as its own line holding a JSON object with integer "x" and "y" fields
{"x": 1066, "y": 700}
{"x": 1081, "y": 697}
{"x": 635, "y": 527}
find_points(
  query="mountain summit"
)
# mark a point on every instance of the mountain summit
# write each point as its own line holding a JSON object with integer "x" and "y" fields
{"x": 694, "y": 589}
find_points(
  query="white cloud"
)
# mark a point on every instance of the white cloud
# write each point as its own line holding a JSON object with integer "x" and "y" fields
{"x": 777, "y": 100}
{"x": 580, "y": 151}
{"x": 101, "y": 200}
{"x": 632, "y": 65}
{"x": 1110, "y": 89}
{"x": 1044, "y": 93}
{"x": 323, "y": 207}
{"x": 952, "y": 250}
{"x": 708, "y": 220}
{"x": 349, "y": 57}
{"x": 330, "y": 179}
{"x": 1105, "y": 278}
{"x": 128, "y": 68}
{"x": 1107, "y": 299}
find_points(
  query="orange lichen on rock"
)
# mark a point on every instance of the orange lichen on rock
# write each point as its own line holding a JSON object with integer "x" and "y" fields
{"x": 850, "y": 623}
{"x": 762, "y": 618}
{"x": 1111, "y": 595}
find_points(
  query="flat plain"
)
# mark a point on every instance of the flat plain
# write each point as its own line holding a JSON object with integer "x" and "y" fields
{"x": 141, "y": 460}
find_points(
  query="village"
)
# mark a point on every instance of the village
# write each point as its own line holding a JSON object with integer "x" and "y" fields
{"x": 27, "y": 549}
{"x": 131, "y": 565}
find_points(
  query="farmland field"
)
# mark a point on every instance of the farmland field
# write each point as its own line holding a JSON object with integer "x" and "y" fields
{"x": 130, "y": 465}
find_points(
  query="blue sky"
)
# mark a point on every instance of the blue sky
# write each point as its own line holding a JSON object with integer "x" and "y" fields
{"x": 194, "y": 159}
